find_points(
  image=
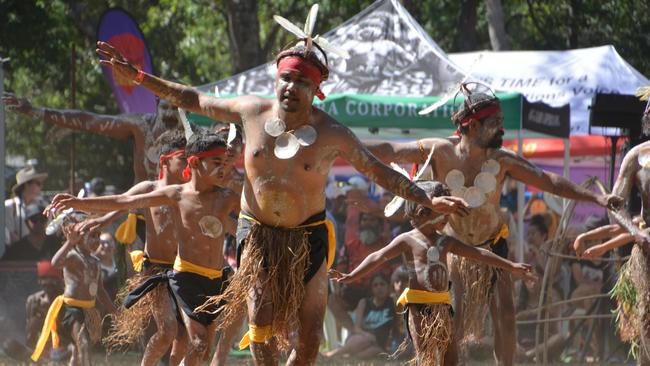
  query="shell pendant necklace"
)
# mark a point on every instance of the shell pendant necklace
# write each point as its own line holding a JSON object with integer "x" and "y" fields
{"x": 287, "y": 143}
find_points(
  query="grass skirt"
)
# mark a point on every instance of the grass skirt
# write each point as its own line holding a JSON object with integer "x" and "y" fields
{"x": 272, "y": 269}
{"x": 435, "y": 331}
{"x": 477, "y": 282}
{"x": 632, "y": 295}
{"x": 129, "y": 325}
{"x": 93, "y": 324}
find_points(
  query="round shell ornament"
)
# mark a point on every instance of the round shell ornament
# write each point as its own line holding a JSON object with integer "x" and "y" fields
{"x": 286, "y": 146}
{"x": 433, "y": 255}
{"x": 644, "y": 159}
{"x": 474, "y": 197}
{"x": 275, "y": 127}
{"x": 211, "y": 226}
{"x": 491, "y": 166}
{"x": 486, "y": 182}
{"x": 92, "y": 289}
{"x": 455, "y": 179}
{"x": 459, "y": 192}
{"x": 306, "y": 135}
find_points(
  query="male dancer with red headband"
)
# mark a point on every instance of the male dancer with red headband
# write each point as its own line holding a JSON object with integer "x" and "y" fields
{"x": 200, "y": 212}
{"x": 157, "y": 257}
{"x": 291, "y": 146}
{"x": 474, "y": 166}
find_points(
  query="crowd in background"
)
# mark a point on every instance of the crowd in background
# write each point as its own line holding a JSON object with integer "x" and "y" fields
{"x": 366, "y": 309}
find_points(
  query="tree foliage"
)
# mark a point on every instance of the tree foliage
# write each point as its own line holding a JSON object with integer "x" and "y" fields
{"x": 190, "y": 41}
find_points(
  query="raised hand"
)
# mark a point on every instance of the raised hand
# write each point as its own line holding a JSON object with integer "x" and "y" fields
{"x": 338, "y": 276}
{"x": 16, "y": 103}
{"x": 579, "y": 247}
{"x": 524, "y": 271}
{"x": 450, "y": 205}
{"x": 91, "y": 225}
{"x": 59, "y": 203}
{"x": 611, "y": 201}
{"x": 113, "y": 58}
{"x": 72, "y": 233}
{"x": 592, "y": 253}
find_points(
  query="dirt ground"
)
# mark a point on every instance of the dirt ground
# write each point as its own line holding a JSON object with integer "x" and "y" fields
{"x": 134, "y": 359}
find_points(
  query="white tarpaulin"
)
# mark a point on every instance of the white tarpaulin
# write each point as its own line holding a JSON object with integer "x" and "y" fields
{"x": 556, "y": 77}
{"x": 390, "y": 55}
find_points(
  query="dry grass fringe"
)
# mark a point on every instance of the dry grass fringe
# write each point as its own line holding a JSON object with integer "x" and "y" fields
{"x": 279, "y": 259}
{"x": 129, "y": 324}
{"x": 93, "y": 324}
{"x": 638, "y": 270}
{"x": 476, "y": 279}
{"x": 436, "y": 325}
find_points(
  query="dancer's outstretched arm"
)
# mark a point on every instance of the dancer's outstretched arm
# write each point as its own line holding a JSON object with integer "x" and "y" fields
{"x": 524, "y": 171}
{"x": 119, "y": 127}
{"x": 96, "y": 223}
{"x": 600, "y": 233}
{"x": 485, "y": 256}
{"x": 164, "y": 196}
{"x": 598, "y": 250}
{"x": 185, "y": 97}
{"x": 372, "y": 261}
{"x": 401, "y": 152}
{"x": 351, "y": 149}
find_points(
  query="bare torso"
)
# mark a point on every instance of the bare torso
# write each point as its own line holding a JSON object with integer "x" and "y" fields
{"x": 484, "y": 221}
{"x": 161, "y": 240}
{"x": 643, "y": 179}
{"x": 417, "y": 262}
{"x": 81, "y": 275}
{"x": 285, "y": 193}
{"x": 204, "y": 218}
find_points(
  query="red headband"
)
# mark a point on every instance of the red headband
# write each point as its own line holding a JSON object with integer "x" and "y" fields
{"x": 485, "y": 112}
{"x": 167, "y": 156}
{"x": 299, "y": 64}
{"x": 187, "y": 173}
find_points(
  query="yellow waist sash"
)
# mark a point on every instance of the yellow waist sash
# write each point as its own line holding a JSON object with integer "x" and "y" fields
{"x": 181, "y": 265}
{"x": 138, "y": 257}
{"x": 126, "y": 232}
{"x": 503, "y": 233}
{"x": 411, "y": 296}
{"x": 49, "y": 325}
{"x": 331, "y": 234}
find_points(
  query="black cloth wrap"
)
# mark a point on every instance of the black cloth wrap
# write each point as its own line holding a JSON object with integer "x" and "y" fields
{"x": 318, "y": 238}
{"x": 500, "y": 249}
{"x": 192, "y": 290}
{"x": 68, "y": 315}
{"x": 189, "y": 290}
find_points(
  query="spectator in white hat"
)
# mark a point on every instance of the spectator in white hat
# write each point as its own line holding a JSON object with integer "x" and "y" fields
{"x": 27, "y": 190}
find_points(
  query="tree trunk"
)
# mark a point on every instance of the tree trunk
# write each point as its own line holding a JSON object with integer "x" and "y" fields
{"x": 574, "y": 23}
{"x": 496, "y": 25}
{"x": 466, "y": 38}
{"x": 243, "y": 35}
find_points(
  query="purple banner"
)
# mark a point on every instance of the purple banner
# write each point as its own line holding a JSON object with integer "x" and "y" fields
{"x": 580, "y": 173}
{"x": 120, "y": 30}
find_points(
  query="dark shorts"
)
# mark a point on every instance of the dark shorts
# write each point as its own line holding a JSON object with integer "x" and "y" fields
{"x": 192, "y": 290}
{"x": 318, "y": 241}
{"x": 500, "y": 249}
{"x": 68, "y": 315}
